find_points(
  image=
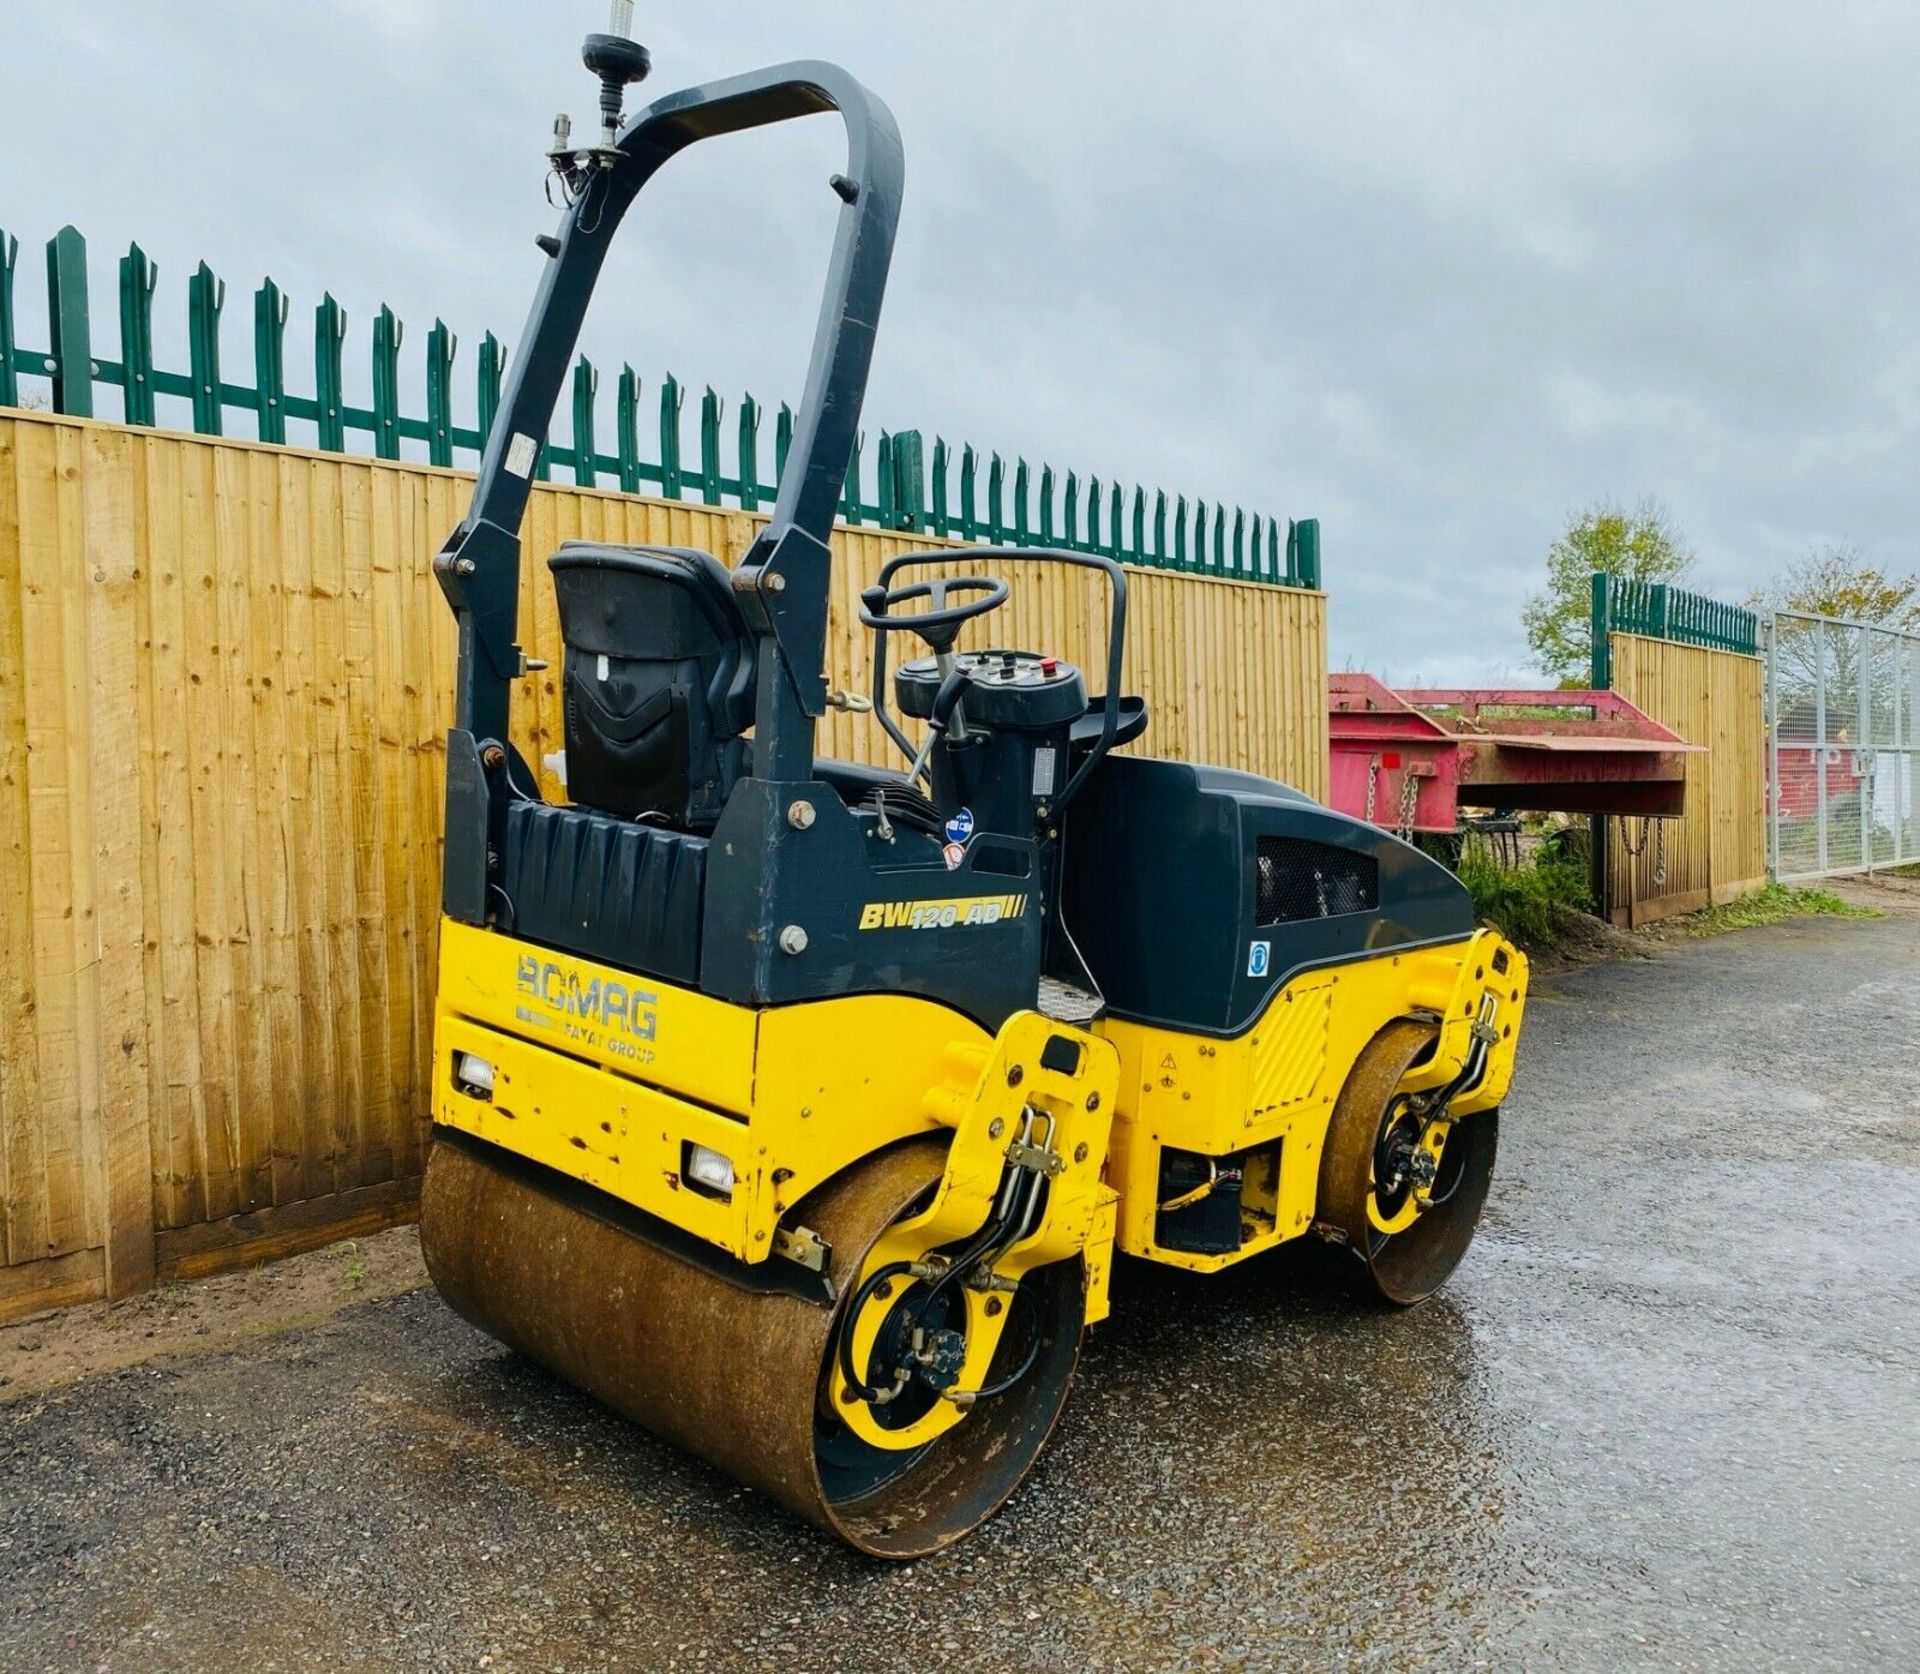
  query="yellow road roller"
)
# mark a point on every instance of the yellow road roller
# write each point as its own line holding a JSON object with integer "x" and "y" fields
{"x": 796, "y": 1108}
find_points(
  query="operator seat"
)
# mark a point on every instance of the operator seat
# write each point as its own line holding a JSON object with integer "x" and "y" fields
{"x": 658, "y": 680}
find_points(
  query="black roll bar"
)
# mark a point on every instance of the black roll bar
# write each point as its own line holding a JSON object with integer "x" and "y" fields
{"x": 782, "y": 582}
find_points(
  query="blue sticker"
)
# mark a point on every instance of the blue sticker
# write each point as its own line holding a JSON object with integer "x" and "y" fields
{"x": 1258, "y": 954}
{"x": 960, "y": 827}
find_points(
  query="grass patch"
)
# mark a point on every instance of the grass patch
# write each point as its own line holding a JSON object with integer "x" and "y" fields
{"x": 1528, "y": 904}
{"x": 1772, "y": 904}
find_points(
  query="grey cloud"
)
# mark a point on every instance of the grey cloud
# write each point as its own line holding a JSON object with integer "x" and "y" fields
{"x": 1437, "y": 275}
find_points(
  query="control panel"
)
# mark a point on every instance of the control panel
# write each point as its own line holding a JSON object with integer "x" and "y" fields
{"x": 1018, "y": 689}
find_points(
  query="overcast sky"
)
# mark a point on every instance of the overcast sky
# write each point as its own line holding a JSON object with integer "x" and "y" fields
{"x": 1437, "y": 275}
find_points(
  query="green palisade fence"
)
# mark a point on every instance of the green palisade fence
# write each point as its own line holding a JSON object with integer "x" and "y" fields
{"x": 1658, "y": 611}
{"x": 933, "y": 491}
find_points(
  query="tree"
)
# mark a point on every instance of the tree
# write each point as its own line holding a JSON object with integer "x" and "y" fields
{"x": 1837, "y": 580}
{"x": 1833, "y": 580}
{"x": 1637, "y": 544}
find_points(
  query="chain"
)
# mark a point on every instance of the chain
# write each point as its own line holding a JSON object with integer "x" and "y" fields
{"x": 1409, "y": 796}
{"x": 1636, "y": 850}
{"x": 1373, "y": 779}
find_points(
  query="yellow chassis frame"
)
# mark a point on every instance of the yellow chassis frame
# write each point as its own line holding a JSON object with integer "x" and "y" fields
{"x": 609, "y": 1078}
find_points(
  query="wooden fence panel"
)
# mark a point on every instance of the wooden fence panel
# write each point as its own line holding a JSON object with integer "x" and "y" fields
{"x": 225, "y": 678}
{"x": 1718, "y": 849}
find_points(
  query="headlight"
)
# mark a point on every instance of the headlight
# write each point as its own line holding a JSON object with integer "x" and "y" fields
{"x": 708, "y": 1170}
{"x": 473, "y": 1074}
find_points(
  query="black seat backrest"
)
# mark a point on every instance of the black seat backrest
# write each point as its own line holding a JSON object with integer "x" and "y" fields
{"x": 658, "y": 680}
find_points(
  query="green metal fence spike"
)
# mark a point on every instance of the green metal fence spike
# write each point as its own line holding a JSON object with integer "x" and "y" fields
{"x": 388, "y": 333}
{"x": 1256, "y": 558}
{"x": 1046, "y": 504}
{"x": 441, "y": 345}
{"x": 1219, "y": 540}
{"x": 1095, "y": 506}
{"x": 489, "y": 367}
{"x": 9, "y": 378}
{"x": 909, "y": 481}
{"x": 749, "y": 453}
{"x": 627, "y": 428}
{"x": 969, "y": 493}
{"x": 69, "y": 329}
{"x": 1274, "y": 571}
{"x": 329, "y": 376}
{"x": 782, "y": 442}
{"x": 1070, "y": 514}
{"x": 1180, "y": 533}
{"x": 1239, "y": 540}
{"x": 1310, "y": 552}
{"x": 883, "y": 484}
{"x": 1114, "y": 500}
{"x": 138, "y": 277}
{"x": 269, "y": 362}
{"x": 996, "y": 492}
{"x": 206, "y": 296}
{"x": 850, "y": 490}
{"x": 586, "y": 385}
{"x": 1159, "y": 525}
{"x": 710, "y": 413}
{"x": 1021, "y": 482}
{"x": 942, "y": 523}
{"x": 670, "y": 398}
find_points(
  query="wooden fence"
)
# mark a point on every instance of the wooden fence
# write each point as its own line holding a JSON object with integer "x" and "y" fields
{"x": 223, "y": 679}
{"x": 1718, "y": 849}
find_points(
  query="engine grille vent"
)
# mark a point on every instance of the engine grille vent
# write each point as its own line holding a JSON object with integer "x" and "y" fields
{"x": 1299, "y": 879}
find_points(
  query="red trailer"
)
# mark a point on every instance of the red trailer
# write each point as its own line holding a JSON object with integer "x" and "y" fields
{"x": 1411, "y": 759}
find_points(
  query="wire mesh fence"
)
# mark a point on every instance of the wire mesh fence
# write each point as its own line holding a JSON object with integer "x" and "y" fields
{"x": 1843, "y": 708}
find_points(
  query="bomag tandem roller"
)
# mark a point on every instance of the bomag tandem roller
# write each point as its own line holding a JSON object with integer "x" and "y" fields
{"x": 796, "y": 1108}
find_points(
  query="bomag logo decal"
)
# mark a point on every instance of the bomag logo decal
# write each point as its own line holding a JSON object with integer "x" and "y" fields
{"x": 595, "y": 1012}
{"x": 941, "y": 915}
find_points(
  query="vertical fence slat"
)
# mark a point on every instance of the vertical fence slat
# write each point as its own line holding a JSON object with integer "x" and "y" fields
{"x": 586, "y": 382}
{"x": 329, "y": 373}
{"x": 670, "y": 398}
{"x": 782, "y": 442}
{"x": 138, "y": 277}
{"x": 440, "y": 350}
{"x": 69, "y": 329}
{"x": 9, "y": 379}
{"x": 489, "y": 368}
{"x": 883, "y": 481}
{"x": 387, "y": 336}
{"x": 269, "y": 362}
{"x": 749, "y": 453}
{"x": 969, "y": 492}
{"x": 942, "y": 523}
{"x": 206, "y": 296}
{"x": 626, "y": 420}
{"x": 710, "y": 413}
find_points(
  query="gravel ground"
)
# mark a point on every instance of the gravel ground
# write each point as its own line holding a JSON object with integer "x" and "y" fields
{"x": 1667, "y": 1416}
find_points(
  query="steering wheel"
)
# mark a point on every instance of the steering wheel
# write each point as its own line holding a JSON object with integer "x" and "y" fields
{"x": 940, "y": 623}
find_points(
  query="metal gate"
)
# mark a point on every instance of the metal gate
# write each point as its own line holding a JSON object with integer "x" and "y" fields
{"x": 1843, "y": 714}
